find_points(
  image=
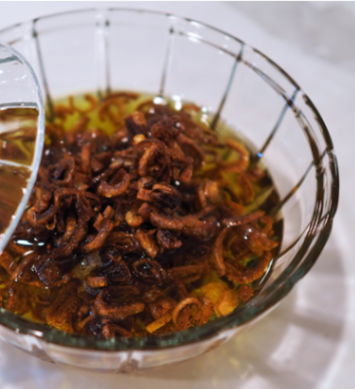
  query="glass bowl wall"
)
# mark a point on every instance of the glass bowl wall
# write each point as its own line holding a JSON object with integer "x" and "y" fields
{"x": 103, "y": 50}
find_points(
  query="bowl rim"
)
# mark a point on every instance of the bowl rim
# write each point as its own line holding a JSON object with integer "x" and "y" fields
{"x": 256, "y": 307}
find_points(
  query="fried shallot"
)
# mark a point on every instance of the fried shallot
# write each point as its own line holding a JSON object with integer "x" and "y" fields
{"x": 142, "y": 222}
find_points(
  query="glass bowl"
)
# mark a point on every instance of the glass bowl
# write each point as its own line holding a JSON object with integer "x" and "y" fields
{"x": 21, "y": 137}
{"x": 105, "y": 50}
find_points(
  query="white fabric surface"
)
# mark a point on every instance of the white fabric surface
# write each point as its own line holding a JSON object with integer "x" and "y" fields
{"x": 309, "y": 340}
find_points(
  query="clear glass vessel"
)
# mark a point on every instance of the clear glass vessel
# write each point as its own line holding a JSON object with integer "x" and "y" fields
{"x": 21, "y": 137}
{"x": 120, "y": 49}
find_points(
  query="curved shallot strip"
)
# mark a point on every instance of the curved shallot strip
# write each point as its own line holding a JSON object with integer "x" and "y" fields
{"x": 246, "y": 276}
{"x": 110, "y": 330}
{"x": 189, "y": 301}
{"x": 189, "y": 225}
{"x": 245, "y": 219}
{"x": 243, "y": 161}
{"x": 100, "y": 238}
{"x": 149, "y": 271}
{"x": 168, "y": 240}
{"x": 108, "y": 190}
{"x": 147, "y": 242}
{"x": 149, "y": 154}
{"x": 185, "y": 141}
{"x": 217, "y": 257}
{"x": 67, "y": 167}
{"x": 117, "y": 311}
{"x": 182, "y": 272}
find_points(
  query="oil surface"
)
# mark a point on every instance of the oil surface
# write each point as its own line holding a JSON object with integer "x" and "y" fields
{"x": 18, "y": 128}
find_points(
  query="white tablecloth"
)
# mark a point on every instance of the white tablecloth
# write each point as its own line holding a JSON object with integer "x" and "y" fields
{"x": 309, "y": 340}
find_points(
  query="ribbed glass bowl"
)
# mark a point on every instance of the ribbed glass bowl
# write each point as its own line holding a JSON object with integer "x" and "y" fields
{"x": 105, "y": 50}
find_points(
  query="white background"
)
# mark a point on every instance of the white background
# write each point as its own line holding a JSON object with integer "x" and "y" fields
{"x": 309, "y": 341}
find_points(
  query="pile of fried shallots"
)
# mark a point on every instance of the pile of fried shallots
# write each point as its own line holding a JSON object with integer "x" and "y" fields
{"x": 139, "y": 232}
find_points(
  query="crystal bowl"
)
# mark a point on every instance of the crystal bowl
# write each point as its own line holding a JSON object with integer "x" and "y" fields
{"x": 111, "y": 49}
